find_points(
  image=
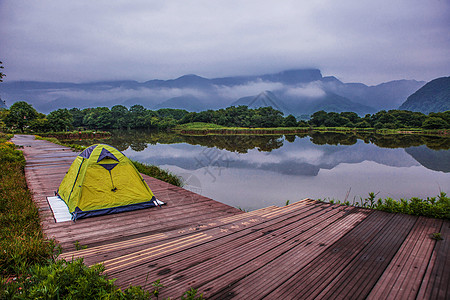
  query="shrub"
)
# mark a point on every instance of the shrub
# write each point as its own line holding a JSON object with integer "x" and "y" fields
{"x": 432, "y": 207}
{"x": 68, "y": 280}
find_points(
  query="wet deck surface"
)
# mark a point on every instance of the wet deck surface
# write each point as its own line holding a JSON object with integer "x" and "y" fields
{"x": 306, "y": 250}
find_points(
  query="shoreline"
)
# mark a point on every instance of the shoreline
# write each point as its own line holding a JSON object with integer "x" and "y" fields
{"x": 306, "y": 130}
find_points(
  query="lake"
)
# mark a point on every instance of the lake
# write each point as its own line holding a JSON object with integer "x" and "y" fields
{"x": 252, "y": 172}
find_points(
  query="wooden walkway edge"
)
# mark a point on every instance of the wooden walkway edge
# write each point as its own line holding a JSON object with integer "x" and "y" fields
{"x": 306, "y": 250}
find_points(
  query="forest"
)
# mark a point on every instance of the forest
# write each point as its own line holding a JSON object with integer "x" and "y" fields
{"x": 21, "y": 117}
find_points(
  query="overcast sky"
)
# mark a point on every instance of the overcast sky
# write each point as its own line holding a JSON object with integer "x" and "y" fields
{"x": 357, "y": 41}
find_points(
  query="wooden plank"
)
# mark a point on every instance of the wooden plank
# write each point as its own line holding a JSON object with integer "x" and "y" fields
{"x": 136, "y": 244}
{"x": 404, "y": 274}
{"x": 283, "y": 272}
{"x": 216, "y": 274}
{"x": 436, "y": 282}
{"x": 229, "y": 237}
{"x": 356, "y": 279}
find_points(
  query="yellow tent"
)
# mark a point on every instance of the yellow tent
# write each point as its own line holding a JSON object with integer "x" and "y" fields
{"x": 102, "y": 180}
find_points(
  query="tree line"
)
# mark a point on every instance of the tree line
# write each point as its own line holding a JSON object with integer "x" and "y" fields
{"x": 22, "y": 116}
{"x": 392, "y": 119}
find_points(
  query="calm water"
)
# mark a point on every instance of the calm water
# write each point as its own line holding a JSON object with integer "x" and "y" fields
{"x": 257, "y": 171}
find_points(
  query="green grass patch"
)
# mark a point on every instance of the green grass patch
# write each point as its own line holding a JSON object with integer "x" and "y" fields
{"x": 198, "y": 125}
{"x": 432, "y": 207}
{"x": 21, "y": 240}
{"x": 200, "y": 128}
{"x": 75, "y": 147}
{"x": 158, "y": 173}
{"x": 76, "y": 135}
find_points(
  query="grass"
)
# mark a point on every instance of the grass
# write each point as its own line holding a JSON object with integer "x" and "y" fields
{"x": 200, "y": 128}
{"x": 158, "y": 173}
{"x": 432, "y": 207}
{"x": 199, "y": 125}
{"x": 21, "y": 239}
{"x": 76, "y": 134}
{"x": 54, "y": 140}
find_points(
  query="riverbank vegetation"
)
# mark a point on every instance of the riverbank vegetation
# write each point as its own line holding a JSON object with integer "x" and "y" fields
{"x": 21, "y": 241}
{"x": 432, "y": 207}
{"x": 22, "y": 117}
{"x": 158, "y": 173}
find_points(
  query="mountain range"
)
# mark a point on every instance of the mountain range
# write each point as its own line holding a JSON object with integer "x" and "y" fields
{"x": 297, "y": 92}
{"x": 432, "y": 97}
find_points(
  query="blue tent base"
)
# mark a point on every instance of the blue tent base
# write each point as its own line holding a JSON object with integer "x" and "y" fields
{"x": 79, "y": 214}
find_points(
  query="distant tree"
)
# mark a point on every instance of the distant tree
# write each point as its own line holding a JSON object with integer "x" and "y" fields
{"x": 435, "y": 123}
{"x": 404, "y": 118}
{"x": 334, "y": 119}
{"x": 173, "y": 113}
{"x": 40, "y": 125}
{"x": 20, "y": 115}
{"x": 272, "y": 117}
{"x": 3, "y": 114}
{"x": 60, "y": 120}
{"x": 166, "y": 123}
{"x": 120, "y": 116}
{"x": 363, "y": 124}
{"x": 302, "y": 123}
{"x": 289, "y": 121}
{"x": 189, "y": 118}
{"x": 98, "y": 118}
{"x": 443, "y": 115}
{"x": 138, "y": 116}
{"x": 78, "y": 116}
{"x": 318, "y": 118}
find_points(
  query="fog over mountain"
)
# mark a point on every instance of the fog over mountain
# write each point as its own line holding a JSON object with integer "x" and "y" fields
{"x": 299, "y": 91}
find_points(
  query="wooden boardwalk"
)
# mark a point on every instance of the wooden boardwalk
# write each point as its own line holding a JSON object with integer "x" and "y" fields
{"x": 306, "y": 250}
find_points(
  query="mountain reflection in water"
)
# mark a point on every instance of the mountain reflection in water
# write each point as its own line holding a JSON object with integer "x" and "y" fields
{"x": 256, "y": 171}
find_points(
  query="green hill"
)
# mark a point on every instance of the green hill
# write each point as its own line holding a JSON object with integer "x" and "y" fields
{"x": 432, "y": 97}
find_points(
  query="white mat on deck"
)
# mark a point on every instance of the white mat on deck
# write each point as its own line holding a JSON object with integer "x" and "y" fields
{"x": 59, "y": 209}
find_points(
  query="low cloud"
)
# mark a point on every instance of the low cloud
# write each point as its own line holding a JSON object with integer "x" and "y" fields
{"x": 251, "y": 89}
{"x": 311, "y": 90}
{"x": 119, "y": 94}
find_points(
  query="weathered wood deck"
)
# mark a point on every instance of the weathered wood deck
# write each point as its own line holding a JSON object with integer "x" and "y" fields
{"x": 306, "y": 250}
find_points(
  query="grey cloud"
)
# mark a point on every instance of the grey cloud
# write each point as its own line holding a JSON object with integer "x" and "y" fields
{"x": 249, "y": 89}
{"x": 363, "y": 41}
{"x": 311, "y": 90}
{"x": 116, "y": 95}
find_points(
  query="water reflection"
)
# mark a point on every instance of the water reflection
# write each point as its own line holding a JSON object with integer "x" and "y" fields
{"x": 438, "y": 160}
{"x": 430, "y": 151}
{"x": 256, "y": 171}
